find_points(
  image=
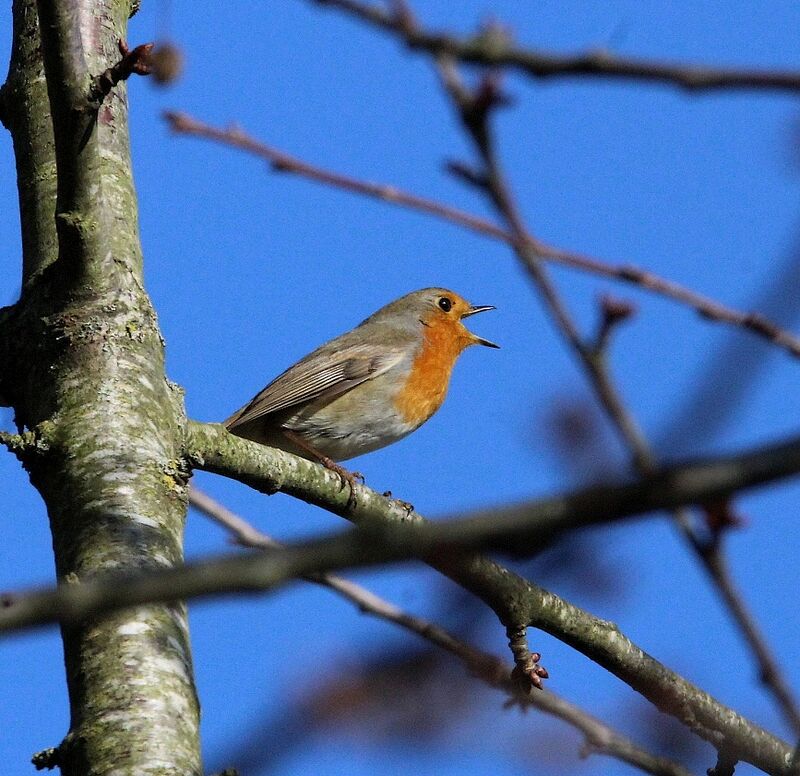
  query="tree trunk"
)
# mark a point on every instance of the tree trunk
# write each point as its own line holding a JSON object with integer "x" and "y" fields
{"x": 86, "y": 378}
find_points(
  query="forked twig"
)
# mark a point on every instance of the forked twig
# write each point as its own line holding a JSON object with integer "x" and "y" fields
{"x": 494, "y": 47}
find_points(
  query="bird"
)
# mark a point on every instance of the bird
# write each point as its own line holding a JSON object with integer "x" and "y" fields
{"x": 366, "y": 388}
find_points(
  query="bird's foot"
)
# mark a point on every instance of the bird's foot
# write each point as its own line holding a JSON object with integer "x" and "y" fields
{"x": 347, "y": 477}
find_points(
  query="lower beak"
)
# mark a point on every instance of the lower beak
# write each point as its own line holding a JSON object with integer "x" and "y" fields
{"x": 482, "y": 308}
{"x": 482, "y": 341}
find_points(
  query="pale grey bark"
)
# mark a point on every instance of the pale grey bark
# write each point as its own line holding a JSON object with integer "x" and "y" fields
{"x": 87, "y": 376}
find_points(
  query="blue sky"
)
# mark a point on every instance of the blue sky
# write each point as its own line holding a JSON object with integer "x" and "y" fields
{"x": 250, "y": 270}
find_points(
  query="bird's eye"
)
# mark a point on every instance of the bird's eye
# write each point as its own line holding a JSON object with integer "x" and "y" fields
{"x": 445, "y": 303}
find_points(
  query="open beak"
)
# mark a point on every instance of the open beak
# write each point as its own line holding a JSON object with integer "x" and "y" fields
{"x": 481, "y": 308}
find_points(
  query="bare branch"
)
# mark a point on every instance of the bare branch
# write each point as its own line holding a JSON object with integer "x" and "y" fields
{"x": 280, "y": 161}
{"x": 769, "y": 671}
{"x": 379, "y": 540}
{"x": 474, "y": 108}
{"x": 599, "y": 737}
{"x": 613, "y": 312}
{"x": 519, "y": 530}
{"x": 494, "y": 48}
{"x": 506, "y": 593}
{"x": 706, "y": 307}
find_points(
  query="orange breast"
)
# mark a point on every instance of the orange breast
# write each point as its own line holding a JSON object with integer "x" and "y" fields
{"x": 429, "y": 377}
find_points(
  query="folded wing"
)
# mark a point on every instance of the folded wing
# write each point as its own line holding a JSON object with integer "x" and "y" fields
{"x": 318, "y": 377}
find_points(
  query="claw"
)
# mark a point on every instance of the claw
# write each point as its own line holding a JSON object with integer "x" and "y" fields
{"x": 347, "y": 477}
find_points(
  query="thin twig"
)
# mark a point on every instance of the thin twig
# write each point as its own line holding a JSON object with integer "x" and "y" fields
{"x": 706, "y": 307}
{"x": 475, "y": 108}
{"x": 494, "y": 48}
{"x": 769, "y": 671}
{"x": 613, "y": 312}
{"x": 599, "y": 737}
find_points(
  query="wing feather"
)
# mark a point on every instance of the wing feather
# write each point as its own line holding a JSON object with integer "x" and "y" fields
{"x": 318, "y": 378}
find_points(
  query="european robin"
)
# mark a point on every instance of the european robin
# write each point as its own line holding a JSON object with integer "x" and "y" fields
{"x": 366, "y": 388}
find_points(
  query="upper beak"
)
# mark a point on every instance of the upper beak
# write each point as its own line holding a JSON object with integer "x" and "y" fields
{"x": 480, "y": 308}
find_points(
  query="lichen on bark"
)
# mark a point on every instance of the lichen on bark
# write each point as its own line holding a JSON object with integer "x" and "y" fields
{"x": 87, "y": 377}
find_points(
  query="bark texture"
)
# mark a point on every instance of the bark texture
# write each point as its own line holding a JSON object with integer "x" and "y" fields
{"x": 87, "y": 379}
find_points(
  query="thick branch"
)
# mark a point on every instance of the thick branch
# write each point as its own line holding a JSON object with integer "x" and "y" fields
{"x": 599, "y": 737}
{"x": 495, "y": 49}
{"x": 520, "y": 529}
{"x": 385, "y": 537}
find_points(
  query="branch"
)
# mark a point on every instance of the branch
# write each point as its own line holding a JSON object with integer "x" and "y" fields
{"x": 518, "y": 530}
{"x": 494, "y": 48}
{"x": 599, "y": 738}
{"x": 133, "y": 62}
{"x": 475, "y": 108}
{"x": 131, "y": 687}
{"x": 506, "y": 593}
{"x": 709, "y": 309}
{"x": 769, "y": 671}
{"x": 400, "y": 536}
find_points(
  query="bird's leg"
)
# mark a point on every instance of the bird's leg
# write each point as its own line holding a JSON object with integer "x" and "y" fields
{"x": 347, "y": 477}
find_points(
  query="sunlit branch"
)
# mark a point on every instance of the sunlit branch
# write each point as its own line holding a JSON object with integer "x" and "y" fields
{"x": 599, "y": 738}
{"x": 388, "y": 533}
